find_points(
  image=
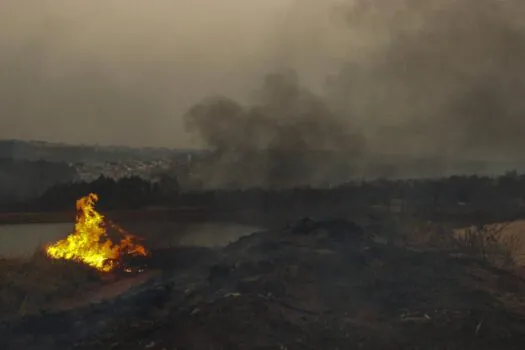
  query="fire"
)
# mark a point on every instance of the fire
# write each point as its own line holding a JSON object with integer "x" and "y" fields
{"x": 90, "y": 243}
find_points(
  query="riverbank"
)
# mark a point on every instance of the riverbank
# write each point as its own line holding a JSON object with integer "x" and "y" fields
{"x": 179, "y": 214}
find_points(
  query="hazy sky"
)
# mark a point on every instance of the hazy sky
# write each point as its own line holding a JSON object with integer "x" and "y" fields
{"x": 124, "y": 71}
{"x": 413, "y": 76}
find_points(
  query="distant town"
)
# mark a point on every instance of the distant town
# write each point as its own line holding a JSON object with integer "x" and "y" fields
{"x": 146, "y": 169}
{"x": 28, "y": 168}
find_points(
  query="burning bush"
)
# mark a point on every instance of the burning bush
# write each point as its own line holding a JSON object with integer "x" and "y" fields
{"x": 90, "y": 243}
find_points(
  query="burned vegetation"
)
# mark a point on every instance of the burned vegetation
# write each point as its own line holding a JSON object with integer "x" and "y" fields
{"x": 313, "y": 283}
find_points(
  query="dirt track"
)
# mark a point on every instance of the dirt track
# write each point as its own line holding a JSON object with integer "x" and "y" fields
{"x": 313, "y": 286}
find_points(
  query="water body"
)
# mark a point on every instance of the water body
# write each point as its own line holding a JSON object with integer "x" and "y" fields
{"x": 24, "y": 239}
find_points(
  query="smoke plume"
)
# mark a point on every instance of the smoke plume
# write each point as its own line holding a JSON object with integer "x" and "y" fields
{"x": 437, "y": 79}
{"x": 277, "y": 140}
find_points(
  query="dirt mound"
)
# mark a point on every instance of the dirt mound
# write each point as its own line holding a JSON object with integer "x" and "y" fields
{"x": 313, "y": 285}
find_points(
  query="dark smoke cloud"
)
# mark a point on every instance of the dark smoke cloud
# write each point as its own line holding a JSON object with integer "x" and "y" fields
{"x": 275, "y": 140}
{"x": 284, "y": 117}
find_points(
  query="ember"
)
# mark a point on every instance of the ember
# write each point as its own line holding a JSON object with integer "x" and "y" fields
{"x": 90, "y": 244}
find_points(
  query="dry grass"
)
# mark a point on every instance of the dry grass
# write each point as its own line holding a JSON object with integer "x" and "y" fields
{"x": 29, "y": 285}
{"x": 502, "y": 244}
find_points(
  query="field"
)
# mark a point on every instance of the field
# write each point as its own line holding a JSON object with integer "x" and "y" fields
{"x": 373, "y": 279}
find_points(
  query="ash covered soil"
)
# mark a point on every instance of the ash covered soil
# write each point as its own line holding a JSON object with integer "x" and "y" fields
{"x": 313, "y": 285}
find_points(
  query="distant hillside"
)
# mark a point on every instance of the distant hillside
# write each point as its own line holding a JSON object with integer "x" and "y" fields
{"x": 57, "y": 152}
{"x": 23, "y": 178}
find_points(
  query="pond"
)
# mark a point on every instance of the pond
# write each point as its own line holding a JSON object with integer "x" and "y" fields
{"x": 22, "y": 240}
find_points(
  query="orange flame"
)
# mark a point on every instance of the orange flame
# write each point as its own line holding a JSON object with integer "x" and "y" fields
{"x": 90, "y": 243}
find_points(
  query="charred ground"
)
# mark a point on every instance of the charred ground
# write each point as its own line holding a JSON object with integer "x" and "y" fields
{"x": 312, "y": 284}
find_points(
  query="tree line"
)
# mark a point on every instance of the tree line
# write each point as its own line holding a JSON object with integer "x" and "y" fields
{"x": 505, "y": 194}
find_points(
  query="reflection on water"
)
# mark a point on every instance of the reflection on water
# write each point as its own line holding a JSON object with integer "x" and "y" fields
{"x": 24, "y": 240}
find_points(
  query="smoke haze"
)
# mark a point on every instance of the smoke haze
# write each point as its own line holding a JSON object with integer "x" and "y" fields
{"x": 434, "y": 77}
{"x": 445, "y": 79}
